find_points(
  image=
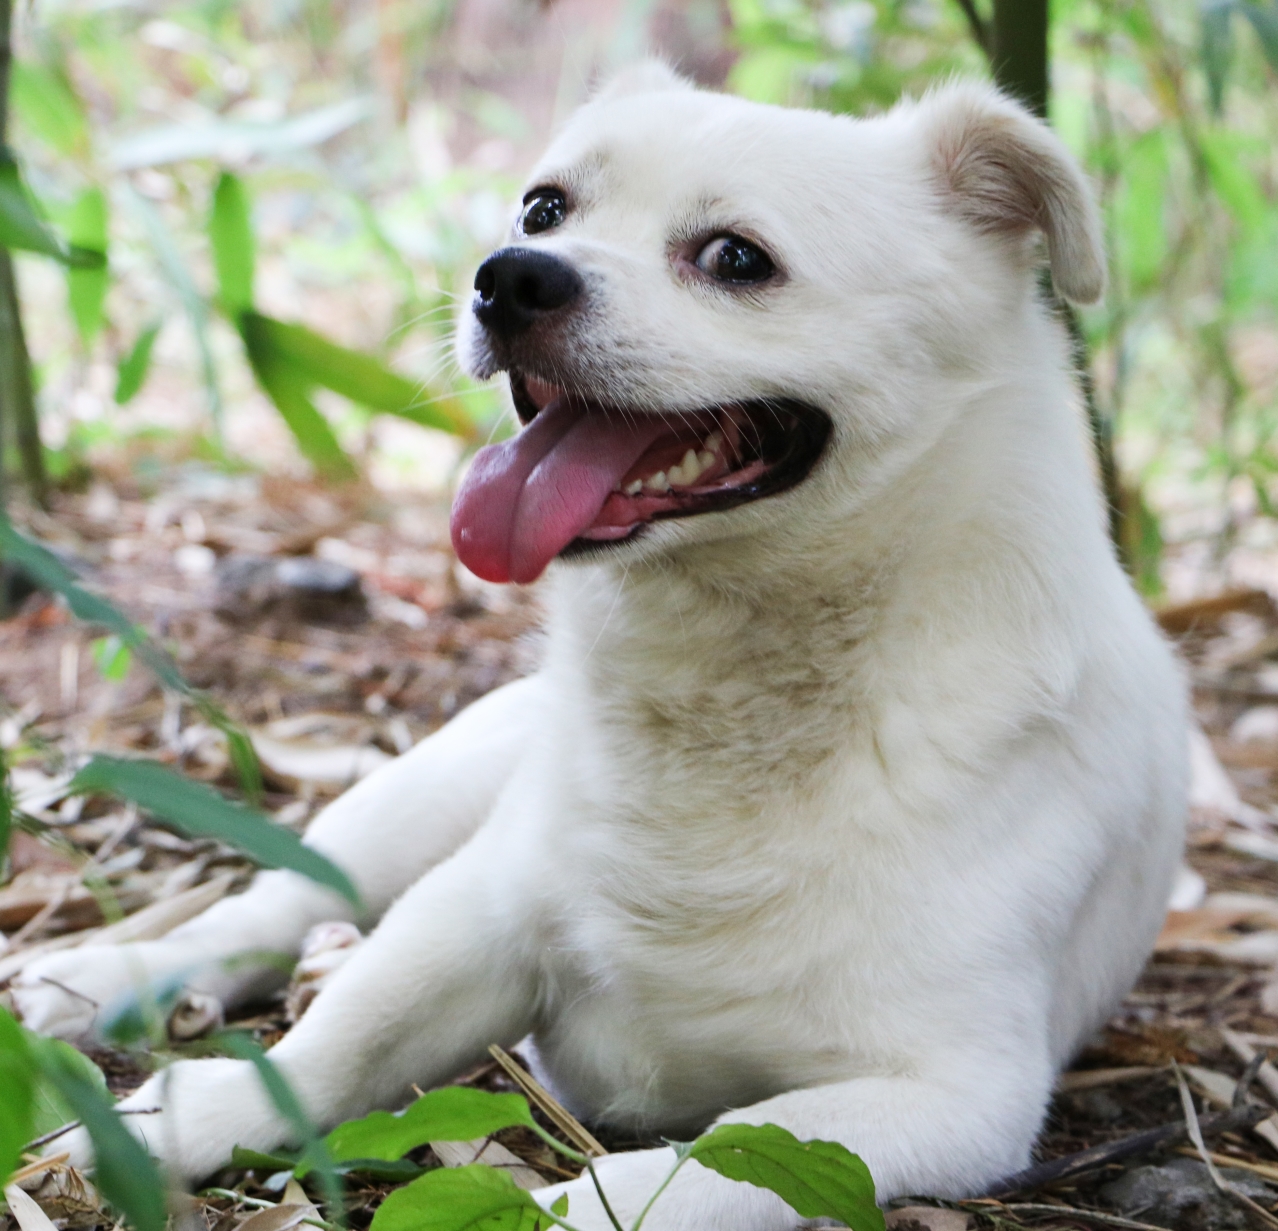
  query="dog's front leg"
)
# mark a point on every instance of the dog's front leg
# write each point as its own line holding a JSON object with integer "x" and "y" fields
{"x": 385, "y": 833}
{"x": 977, "y": 1122}
{"x": 451, "y": 969}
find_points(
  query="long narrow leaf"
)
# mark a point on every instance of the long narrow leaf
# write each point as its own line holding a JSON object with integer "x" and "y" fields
{"x": 135, "y": 366}
{"x": 46, "y": 103}
{"x": 125, "y": 1173}
{"x": 17, "y": 1094}
{"x": 315, "y": 1151}
{"x": 48, "y": 571}
{"x": 86, "y": 225}
{"x": 21, "y": 228}
{"x": 1217, "y": 47}
{"x": 361, "y": 377}
{"x": 196, "y": 309}
{"x": 1264, "y": 20}
{"x": 198, "y": 810}
{"x": 231, "y": 238}
{"x": 289, "y": 389}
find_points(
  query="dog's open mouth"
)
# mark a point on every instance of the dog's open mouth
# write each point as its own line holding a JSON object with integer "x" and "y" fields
{"x": 581, "y": 475}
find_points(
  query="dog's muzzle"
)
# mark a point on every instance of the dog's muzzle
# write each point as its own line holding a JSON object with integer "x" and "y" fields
{"x": 516, "y": 288}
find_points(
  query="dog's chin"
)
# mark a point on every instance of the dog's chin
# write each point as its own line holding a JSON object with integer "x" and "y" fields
{"x": 705, "y": 460}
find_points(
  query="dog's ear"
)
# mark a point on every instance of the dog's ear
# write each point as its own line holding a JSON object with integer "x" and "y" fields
{"x": 651, "y": 76}
{"x": 1007, "y": 172}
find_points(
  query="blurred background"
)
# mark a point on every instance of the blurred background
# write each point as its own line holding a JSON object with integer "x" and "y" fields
{"x": 377, "y": 145}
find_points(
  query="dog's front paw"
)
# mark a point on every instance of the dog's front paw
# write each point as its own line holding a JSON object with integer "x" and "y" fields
{"x": 70, "y": 994}
{"x": 696, "y": 1197}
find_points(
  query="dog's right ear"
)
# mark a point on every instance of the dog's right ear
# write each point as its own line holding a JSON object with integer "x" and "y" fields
{"x": 651, "y": 76}
{"x": 1007, "y": 173}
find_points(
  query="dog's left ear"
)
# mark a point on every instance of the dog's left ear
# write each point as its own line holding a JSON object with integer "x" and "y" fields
{"x": 1007, "y": 172}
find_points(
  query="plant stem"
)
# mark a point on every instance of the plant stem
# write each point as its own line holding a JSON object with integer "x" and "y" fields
{"x": 661, "y": 1188}
{"x": 1018, "y": 51}
{"x": 603, "y": 1200}
{"x": 17, "y": 397}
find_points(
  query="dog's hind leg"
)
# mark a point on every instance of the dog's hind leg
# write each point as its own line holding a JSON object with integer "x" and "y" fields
{"x": 452, "y": 968}
{"x": 385, "y": 833}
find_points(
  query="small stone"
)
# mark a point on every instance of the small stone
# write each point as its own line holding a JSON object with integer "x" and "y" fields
{"x": 1180, "y": 1195}
{"x": 298, "y": 588}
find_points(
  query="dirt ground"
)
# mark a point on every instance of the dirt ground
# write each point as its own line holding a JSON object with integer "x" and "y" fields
{"x": 338, "y": 630}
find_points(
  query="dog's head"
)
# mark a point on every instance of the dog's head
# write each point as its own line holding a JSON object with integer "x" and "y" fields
{"x": 718, "y": 317}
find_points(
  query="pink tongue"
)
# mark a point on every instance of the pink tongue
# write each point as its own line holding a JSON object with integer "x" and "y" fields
{"x": 523, "y": 501}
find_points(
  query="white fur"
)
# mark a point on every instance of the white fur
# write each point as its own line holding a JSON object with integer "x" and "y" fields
{"x": 854, "y": 809}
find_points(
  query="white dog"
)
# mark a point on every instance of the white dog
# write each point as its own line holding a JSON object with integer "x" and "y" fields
{"x": 850, "y": 792}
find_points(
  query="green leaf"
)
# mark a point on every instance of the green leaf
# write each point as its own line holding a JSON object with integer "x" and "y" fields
{"x": 135, "y": 366}
{"x": 21, "y": 228}
{"x": 86, "y": 225}
{"x": 255, "y": 1160}
{"x": 361, "y": 378}
{"x": 289, "y": 388}
{"x": 474, "y": 1198}
{"x": 1217, "y": 47}
{"x": 45, "y": 102}
{"x": 17, "y": 1094}
{"x": 198, "y": 810}
{"x": 818, "y": 1179}
{"x": 1264, "y": 20}
{"x": 455, "y": 1113}
{"x": 51, "y": 1109}
{"x": 560, "y": 1206}
{"x": 1237, "y": 188}
{"x": 231, "y": 236}
{"x": 125, "y": 1173}
{"x": 1139, "y": 210}
{"x": 112, "y": 658}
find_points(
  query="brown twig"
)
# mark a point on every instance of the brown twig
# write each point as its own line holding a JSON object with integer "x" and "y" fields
{"x": 562, "y": 1118}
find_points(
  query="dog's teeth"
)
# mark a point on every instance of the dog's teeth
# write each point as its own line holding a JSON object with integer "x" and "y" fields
{"x": 686, "y": 472}
{"x": 633, "y": 489}
{"x": 658, "y": 482}
{"x": 707, "y": 459}
{"x": 713, "y": 443}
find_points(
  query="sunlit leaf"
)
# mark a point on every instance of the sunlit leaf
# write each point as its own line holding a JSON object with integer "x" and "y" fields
{"x": 21, "y": 228}
{"x": 1217, "y": 47}
{"x": 231, "y": 237}
{"x": 454, "y": 1113}
{"x": 136, "y": 366}
{"x": 361, "y": 378}
{"x": 124, "y": 1172}
{"x": 818, "y": 1179}
{"x": 86, "y": 225}
{"x": 199, "y": 811}
{"x": 474, "y": 1198}
{"x": 289, "y": 388}
{"x": 45, "y": 102}
{"x": 17, "y": 1094}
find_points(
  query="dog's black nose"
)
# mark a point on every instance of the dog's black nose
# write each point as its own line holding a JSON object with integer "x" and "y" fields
{"x": 516, "y": 287}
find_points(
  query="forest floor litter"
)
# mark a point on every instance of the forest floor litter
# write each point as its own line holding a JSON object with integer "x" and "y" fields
{"x": 338, "y": 629}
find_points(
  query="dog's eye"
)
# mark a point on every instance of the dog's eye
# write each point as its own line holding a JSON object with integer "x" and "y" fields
{"x": 543, "y": 208}
{"x": 731, "y": 259}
